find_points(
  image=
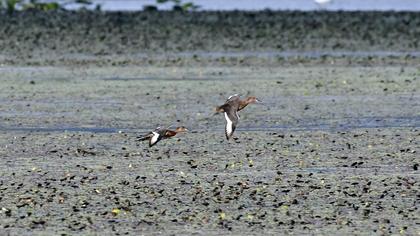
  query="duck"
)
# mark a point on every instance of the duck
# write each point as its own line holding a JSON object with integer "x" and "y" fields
{"x": 230, "y": 109}
{"x": 161, "y": 133}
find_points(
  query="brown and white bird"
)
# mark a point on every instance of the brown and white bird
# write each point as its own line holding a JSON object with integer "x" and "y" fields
{"x": 230, "y": 109}
{"x": 161, "y": 133}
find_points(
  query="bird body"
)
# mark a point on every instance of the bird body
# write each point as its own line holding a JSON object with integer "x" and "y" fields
{"x": 160, "y": 133}
{"x": 230, "y": 109}
{"x": 231, "y": 121}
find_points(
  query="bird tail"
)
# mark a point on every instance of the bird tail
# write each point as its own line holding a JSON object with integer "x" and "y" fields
{"x": 143, "y": 138}
{"x": 218, "y": 109}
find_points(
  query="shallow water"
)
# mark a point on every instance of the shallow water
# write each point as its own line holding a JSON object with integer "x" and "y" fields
{"x": 254, "y": 5}
{"x": 304, "y": 125}
{"x": 288, "y": 54}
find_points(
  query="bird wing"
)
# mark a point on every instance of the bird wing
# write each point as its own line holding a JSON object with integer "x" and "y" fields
{"x": 145, "y": 137}
{"x": 230, "y": 102}
{"x": 232, "y": 119}
{"x": 232, "y": 98}
{"x": 156, "y": 137}
{"x": 169, "y": 133}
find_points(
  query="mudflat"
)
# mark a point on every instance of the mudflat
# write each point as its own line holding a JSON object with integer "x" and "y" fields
{"x": 333, "y": 149}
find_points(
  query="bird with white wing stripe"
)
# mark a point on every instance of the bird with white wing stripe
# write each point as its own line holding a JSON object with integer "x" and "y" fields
{"x": 161, "y": 133}
{"x": 230, "y": 109}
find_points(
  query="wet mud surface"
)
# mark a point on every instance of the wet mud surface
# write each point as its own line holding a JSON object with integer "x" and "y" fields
{"x": 332, "y": 150}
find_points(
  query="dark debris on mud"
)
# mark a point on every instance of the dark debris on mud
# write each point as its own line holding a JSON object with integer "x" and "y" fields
{"x": 290, "y": 182}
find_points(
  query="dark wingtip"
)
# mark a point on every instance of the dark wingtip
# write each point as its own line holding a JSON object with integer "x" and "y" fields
{"x": 141, "y": 138}
{"x": 227, "y": 136}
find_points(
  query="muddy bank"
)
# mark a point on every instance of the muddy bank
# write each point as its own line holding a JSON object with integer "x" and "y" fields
{"x": 353, "y": 182}
{"x": 141, "y": 37}
{"x": 334, "y": 149}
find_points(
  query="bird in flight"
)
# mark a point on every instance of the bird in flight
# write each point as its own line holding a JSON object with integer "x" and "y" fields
{"x": 230, "y": 109}
{"x": 161, "y": 133}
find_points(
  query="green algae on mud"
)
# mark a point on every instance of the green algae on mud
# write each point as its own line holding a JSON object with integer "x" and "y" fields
{"x": 292, "y": 169}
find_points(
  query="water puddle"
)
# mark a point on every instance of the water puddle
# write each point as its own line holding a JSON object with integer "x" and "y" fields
{"x": 62, "y": 129}
{"x": 344, "y": 124}
{"x": 283, "y": 54}
{"x": 323, "y": 125}
{"x": 160, "y": 79}
{"x": 252, "y": 5}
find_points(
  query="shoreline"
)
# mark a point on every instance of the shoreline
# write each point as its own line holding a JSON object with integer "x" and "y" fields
{"x": 235, "y": 59}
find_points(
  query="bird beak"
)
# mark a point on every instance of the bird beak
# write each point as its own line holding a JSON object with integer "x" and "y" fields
{"x": 261, "y": 103}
